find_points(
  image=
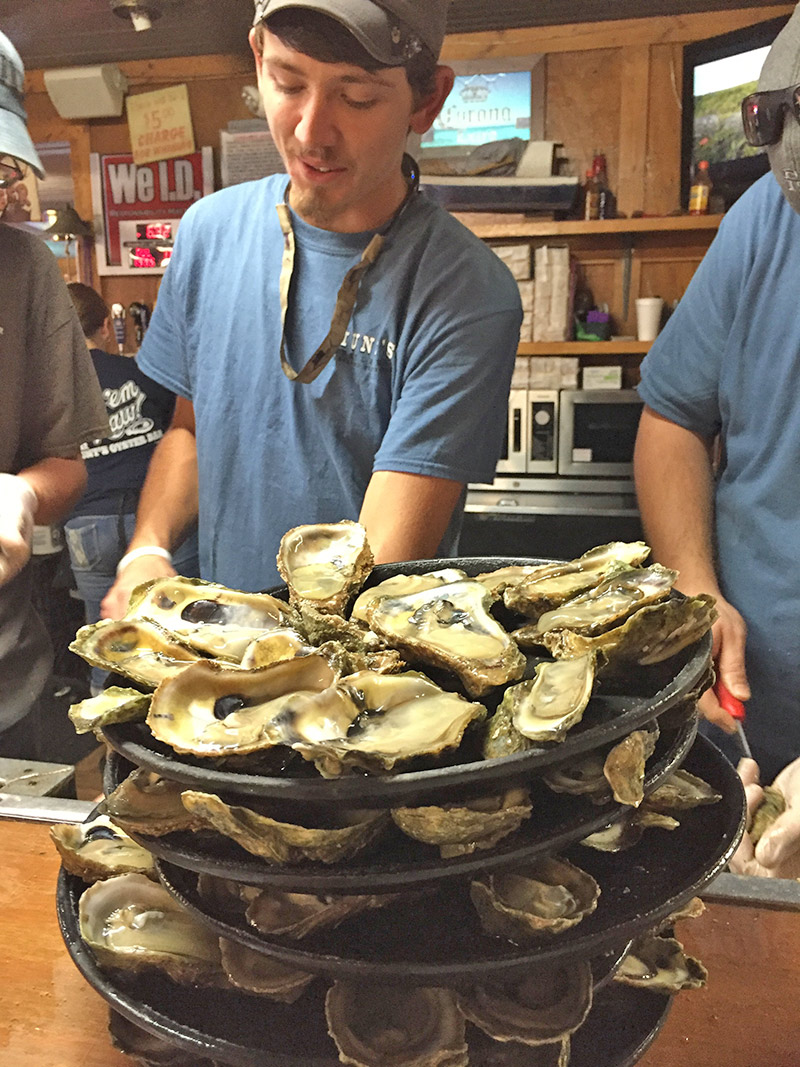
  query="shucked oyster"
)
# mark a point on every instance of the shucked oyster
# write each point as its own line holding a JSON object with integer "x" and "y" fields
{"x": 552, "y": 584}
{"x": 212, "y": 711}
{"x": 681, "y": 791}
{"x": 295, "y": 915}
{"x": 545, "y": 897}
{"x": 112, "y": 705}
{"x": 98, "y": 849}
{"x": 282, "y": 643}
{"x": 544, "y": 708}
{"x": 608, "y": 603}
{"x": 625, "y": 764}
{"x": 401, "y": 585}
{"x": 133, "y": 923}
{"x": 459, "y": 829}
{"x": 141, "y": 650}
{"x": 218, "y": 621}
{"x": 256, "y": 973}
{"x": 146, "y": 803}
{"x": 394, "y": 718}
{"x": 396, "y": 1026}
{"x": 534, "y": 1008}
{"x": 660, "y": 963}
{"x": 450, "y": 627}
{"x": 279, "y": 841}
{"x": 325, "y": 564}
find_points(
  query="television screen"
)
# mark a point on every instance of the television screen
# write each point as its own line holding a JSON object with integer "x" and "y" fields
{"x": 483, "y": 108}
{"x": 718, "y": 73}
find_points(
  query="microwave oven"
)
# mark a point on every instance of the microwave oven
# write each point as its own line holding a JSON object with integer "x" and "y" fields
{"x": 582, "y": 433}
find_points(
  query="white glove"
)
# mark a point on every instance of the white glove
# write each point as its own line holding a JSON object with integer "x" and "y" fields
{"x": 18, "y": 503}
{"x": 777, "y": 854}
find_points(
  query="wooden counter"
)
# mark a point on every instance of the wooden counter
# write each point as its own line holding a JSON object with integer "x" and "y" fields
{"x": 749, "y": 1016}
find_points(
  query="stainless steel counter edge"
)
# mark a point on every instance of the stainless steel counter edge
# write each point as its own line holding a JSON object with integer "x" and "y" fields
{"x": 44, "y": 809}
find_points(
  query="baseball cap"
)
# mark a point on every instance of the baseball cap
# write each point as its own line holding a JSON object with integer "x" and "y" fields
{"x": 392, "y": 31}
{"x": 14, "y": 137}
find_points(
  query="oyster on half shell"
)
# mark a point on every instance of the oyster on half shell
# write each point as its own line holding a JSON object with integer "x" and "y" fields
{"x": 545, "y": 707}
{"x": 146, "y": 803}
{"x": 401, "y": 585}
{"x": 625, "y": 764}
{"x": 660, "y": 963}
{"x": 256, "y": 973}
{"x": 534, "y": 1008}
{"x": 325, "y": 564}
{"x": 97, "y": 849}
{"x": 114, "y": 704}
{"x": 133, "y": 923}
{"x": 217, "y": 621}
{"x": 450, "y": 627}
{"x": 544, "y": 897}
{"x": 460, "y": 829}
{"x": 279, "y": 841}
{"x": 295, "y": 915}
{"x": 396, "y": 1026}
{"x": 137, "y": 648}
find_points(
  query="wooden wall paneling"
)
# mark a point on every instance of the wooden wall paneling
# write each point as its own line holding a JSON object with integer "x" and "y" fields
{"x": 632, "y": 138}
{"x": 583, "y": 107}
{"x": 662, "y": 179}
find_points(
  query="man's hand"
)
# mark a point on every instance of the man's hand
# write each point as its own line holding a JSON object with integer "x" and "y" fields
{"x": 142, "y": 569}
{"x": 18, "y": 503}
{"x": 777, "y": 854}
{"x": 729, "y": 634}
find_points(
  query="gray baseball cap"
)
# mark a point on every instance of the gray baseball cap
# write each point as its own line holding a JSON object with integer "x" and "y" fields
{"x": 14, "y": 137}
{"x": 392, "y": 31}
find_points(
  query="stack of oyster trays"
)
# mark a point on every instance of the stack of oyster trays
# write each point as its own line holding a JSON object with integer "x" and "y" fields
{"x": 421, "y": 815}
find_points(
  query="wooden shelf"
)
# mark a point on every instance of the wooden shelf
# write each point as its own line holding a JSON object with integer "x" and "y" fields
{"x": 583, "y": 348}
{"x": 491, "y": 225}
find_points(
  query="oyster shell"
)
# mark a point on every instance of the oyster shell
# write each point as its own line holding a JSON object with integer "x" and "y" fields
{"x": 215, "y": 620}
{"x": 545, "y": 897}
{"x": 535, "y": 1008}
{"x": 295, "y": 915}
{"x": 546, "y": 706}
{"x": 625, "y": 763}
{"x": 282, "y": 842}
{"x": 146, "y": 803}
{"x": 552, "y": 584}
{"x": 401, "y": 585}
{"x": 628, "y": 831}
{"x": 114, "y": 704}
{"x": 256, "y": 973}
{"x": 214, "y": 711}
{"x": 772, "y": 805}
{"x": 681, "y": 791}
{"x": 496, "y": 582}
{"x": 610, "y": 602}
{"x": 660, "y": 963}
{"x": 395, "y": 717}
{"x": 459, "y": 829}
{"x": 137, "y": 648}
{"x": 132, "y": 923}
{"x": 582, "y": 776}
{"x": 396, "y": 1026}
{"x": 97, "y": 849}
{"x": 650, "y": 635}
{"x": 450, "y": 627}
{"x": 279, "y": 644}
{"x": 325, "y": 564}
{"x": 488, "y": 1053}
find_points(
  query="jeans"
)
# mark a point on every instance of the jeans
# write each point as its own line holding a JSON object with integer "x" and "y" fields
{"x": 96, "y": 543}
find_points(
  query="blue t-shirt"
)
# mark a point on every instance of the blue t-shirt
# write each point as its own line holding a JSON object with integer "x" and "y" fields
{"x": 139, "y": 411}
{"x": 728, "y": 362}
{"x": 418, "y": 385}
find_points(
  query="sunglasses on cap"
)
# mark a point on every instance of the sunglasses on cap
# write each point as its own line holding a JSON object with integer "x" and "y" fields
{"x": 763, "y": 114}
{"x": 11, "y": 171}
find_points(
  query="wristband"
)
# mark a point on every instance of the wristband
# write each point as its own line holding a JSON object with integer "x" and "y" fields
{"x": 145, "y": 550}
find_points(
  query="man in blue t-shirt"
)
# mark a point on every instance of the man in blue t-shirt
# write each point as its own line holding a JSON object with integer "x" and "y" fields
{"x": 727, "y": 367}
{"x": 340, "y": 346}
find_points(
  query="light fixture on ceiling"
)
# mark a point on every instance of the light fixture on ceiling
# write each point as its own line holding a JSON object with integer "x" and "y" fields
{"x": 142, "y": 13}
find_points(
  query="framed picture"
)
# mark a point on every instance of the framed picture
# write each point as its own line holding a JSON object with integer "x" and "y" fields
{"x": 138, "y": 207}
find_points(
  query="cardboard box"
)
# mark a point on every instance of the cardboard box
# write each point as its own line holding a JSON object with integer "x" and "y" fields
{"x": 517, "y": 258}
{"x": 526, "y": 293}
{"x": 552, "y": 298}
{"x": 602, "y": 378}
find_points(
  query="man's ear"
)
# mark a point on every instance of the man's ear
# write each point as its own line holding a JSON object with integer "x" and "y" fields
{"x": 422, "y": 119}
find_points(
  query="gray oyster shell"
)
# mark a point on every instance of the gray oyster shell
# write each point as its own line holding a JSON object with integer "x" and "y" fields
{"x": 282, "y": 842}
{"x": 97, "y": 849}
{"x": 460, "y": 829}
{"x": 396, "y": 1026}
{"x": 450, "y": 626}
{"x": 325, "y": 565}
{"x": 535, "y": 1008}
{"x": 545, "y": 897}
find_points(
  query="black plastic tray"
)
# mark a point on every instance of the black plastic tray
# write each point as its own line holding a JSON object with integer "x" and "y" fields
{"x": 609, "y": 715}
{"x": 439, "y": 940}
{"x": 396, "y": 861}
{"x": 249, "y": 1031}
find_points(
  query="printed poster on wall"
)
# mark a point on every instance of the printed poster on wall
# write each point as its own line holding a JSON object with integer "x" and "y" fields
{"x": 138, "y": 207}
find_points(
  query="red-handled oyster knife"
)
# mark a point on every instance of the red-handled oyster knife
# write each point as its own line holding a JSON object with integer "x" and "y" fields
{"x": 735, "y": 708}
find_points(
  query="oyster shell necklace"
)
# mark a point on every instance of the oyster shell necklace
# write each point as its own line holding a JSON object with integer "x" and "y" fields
{"x": 348, "y": 291}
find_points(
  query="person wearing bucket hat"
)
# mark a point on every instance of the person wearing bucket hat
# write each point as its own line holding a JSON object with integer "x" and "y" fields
{"x": 725, "y": 369}
{"x": 344, "y": 347}
{"x": 50, "y": 402}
